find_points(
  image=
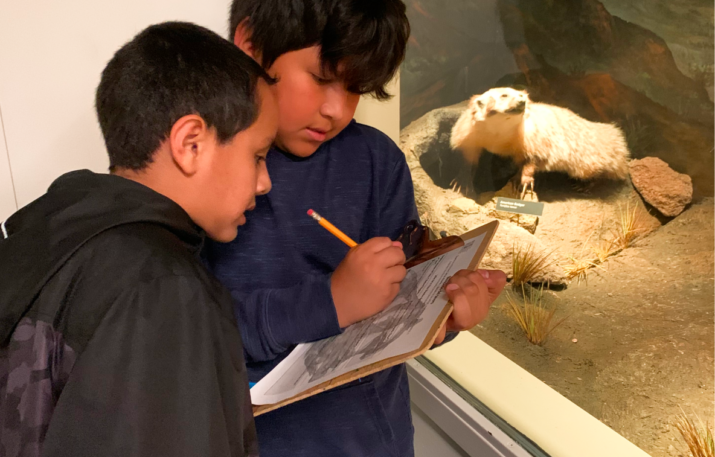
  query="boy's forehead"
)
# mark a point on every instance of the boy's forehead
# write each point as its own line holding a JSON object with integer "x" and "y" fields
{"x": 268, "y": 115}
{"x": 328, "y": 68}
{"x": 333, "y": 69}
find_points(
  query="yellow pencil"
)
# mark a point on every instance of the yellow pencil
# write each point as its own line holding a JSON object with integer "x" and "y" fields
{"x": 331, "y": 228}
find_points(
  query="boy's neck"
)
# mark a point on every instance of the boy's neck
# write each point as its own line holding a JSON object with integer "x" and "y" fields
{"x": 156, "y": 180}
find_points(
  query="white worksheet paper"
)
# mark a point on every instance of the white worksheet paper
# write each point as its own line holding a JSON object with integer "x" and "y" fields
{"x": 399, "y": 329}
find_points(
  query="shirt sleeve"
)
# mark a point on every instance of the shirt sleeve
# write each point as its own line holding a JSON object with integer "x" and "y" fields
{"x": 163, "y": 375}
{"x": 398, "y": 206}
{"x": 273, "y": 320}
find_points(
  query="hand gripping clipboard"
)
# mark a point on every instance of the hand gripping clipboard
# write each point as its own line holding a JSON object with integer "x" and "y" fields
{"x": 418, "y": 249}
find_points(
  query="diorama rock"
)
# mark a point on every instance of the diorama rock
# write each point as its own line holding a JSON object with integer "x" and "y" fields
{"x": 665, "y": 189}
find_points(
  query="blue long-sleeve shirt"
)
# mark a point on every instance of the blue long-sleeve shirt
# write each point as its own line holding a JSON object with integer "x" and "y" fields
{"x": 278, "y": 270}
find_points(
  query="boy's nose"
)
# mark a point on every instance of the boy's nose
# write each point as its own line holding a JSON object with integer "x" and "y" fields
{"x": 335, "y": 102}
{"x": 263, "y": 183}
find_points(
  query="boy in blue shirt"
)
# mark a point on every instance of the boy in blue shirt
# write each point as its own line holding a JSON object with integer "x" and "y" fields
{"x": 294, "y": 282}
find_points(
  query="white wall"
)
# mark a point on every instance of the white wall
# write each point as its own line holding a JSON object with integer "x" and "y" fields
{"x": 384, "y": 116}
{"x": 7, "y": 192}
{"x": 51, "y": 56}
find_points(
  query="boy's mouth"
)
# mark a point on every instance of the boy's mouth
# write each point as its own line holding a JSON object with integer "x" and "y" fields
{"x": 317, "y": 134}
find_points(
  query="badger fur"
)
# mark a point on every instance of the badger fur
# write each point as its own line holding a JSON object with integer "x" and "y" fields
{"x": 539, "y": 137}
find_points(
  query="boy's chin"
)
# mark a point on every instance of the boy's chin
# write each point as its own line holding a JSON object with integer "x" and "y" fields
{"x": 300, "y": 148}
{"x": 224, "y": 236}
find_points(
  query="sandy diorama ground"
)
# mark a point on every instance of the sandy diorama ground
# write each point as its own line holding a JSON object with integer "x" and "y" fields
{"x": 636, "y": 342}
{"x": 635, "y": 347}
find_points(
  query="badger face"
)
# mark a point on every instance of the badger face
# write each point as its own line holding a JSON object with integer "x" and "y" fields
{"x": 503, "y": 102}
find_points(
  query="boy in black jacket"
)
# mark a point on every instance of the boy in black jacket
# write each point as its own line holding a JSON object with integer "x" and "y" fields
{"x": 114, "y": 339}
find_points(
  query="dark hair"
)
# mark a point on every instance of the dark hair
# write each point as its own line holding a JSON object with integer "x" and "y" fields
{"x": 168, "y": 71}
{"x": 367, "y": 37}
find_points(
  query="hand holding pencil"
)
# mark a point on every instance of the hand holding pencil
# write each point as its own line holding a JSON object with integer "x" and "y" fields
{"x": 368, "y": 278}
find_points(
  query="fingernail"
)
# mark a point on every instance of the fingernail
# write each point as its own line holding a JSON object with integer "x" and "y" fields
{"x": 484, "y": 273}
{"x": 452, "y": 287}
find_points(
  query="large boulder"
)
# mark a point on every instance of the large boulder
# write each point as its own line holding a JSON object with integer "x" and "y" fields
{"x": 665, "y": 189}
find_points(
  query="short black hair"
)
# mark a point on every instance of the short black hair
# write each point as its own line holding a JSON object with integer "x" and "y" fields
{"x": 168, "y": 71}
{"x": 367, "y": 37}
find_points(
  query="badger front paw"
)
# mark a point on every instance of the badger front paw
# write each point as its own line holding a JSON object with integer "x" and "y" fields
{"x": 527, "y": 185}
{"x": 523, "y": 182}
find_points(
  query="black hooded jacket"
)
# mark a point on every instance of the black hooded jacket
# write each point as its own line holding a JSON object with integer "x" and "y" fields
{"x": 114, "y": 339}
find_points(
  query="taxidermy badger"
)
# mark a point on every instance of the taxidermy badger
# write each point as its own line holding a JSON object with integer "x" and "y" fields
{"x": 539, "y": 137}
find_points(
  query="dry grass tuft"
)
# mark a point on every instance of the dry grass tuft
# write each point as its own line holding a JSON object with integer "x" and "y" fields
{"x": 604, "y": 250}
{"x": 526, "y": 264}
{"x": 630, "y": 225}
{"x": 698, "y": 438}
{"x": 581, "y": 263}
{"x": 533, "y": 316}
{"x": 579, "y": 268}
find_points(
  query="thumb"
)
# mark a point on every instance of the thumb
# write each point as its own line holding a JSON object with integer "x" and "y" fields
{"x": 453, "y": 291}
{"x": 441, "y": 335}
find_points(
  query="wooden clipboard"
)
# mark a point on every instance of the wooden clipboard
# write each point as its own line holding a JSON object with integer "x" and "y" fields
{"x": 490, "y": 229}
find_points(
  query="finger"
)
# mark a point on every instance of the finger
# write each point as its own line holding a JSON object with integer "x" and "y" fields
{"x": 461, "y": 312}
{"x": 463, "y": 273}
{"x": 470, "y": 285}
{"x": 495, "y": 281}
{"x": 498, "y": 277}
{"x": 491, "y": 277}
{"x": 471, "y": 303}
{"x": 394, "y": 290}
{"x": 390, "y": 256}
{"x": 396, "y": 274}
{"x": 376, "y": 244}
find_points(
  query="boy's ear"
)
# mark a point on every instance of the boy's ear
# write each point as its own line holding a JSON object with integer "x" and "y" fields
{"x": 188, "y": 141}
{"x": 242, "y": 39}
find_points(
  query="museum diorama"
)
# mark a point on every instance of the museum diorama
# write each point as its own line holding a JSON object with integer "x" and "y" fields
{"x": 586, "y": 128}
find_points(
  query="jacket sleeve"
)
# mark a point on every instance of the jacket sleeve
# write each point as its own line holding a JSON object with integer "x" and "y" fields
{"x": 273, "y": 320}
{"x": 163, "y": 375}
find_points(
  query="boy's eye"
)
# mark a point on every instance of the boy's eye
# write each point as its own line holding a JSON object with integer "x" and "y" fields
{"x": 321, "y": 80}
